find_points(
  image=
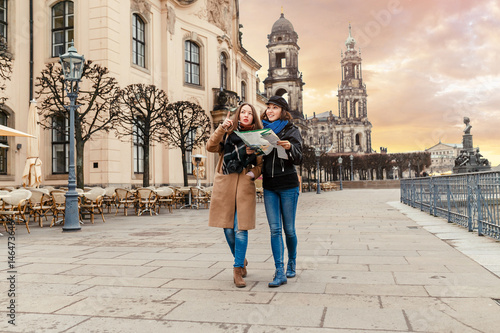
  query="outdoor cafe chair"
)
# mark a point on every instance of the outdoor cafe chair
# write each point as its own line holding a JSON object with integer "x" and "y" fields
{"x": 124, "y": 198}
{"x": 146, "y": 201}
{"x": 91, "y": 203}
{"x": 181, "y": 196}
{"x": 40, "y": 204}
{"x": 58, "y": 206}
{"x": 13, "y": 207}
{"x": 165, "y": 196}
{"x": 198, "y": 197}
{"x": 109, "y": 198}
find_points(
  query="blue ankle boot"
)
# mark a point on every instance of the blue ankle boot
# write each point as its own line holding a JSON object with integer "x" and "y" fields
{"x": 279, "y": 278}
{"x": 290, "y": 268}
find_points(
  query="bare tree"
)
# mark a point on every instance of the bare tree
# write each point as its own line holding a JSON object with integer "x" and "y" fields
{"x": 188, "y": 127}
{"x": 142, "y": 112}
{"x": 5, "y": 66}
{"x": 96, "y": 110}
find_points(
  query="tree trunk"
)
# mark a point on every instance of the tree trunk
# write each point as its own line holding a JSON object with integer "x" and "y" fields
{"x": 309, "y": 179}
{"x": 80, "y": 145}
{"x": 145, "y": 175}
{"x": 184, "y": 167}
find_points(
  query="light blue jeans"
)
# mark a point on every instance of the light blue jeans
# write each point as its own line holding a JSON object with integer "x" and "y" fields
{"x": 281, "y": 208}
{"x": 238, "y": 242}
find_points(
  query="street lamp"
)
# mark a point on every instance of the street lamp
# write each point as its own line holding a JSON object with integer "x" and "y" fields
{"x": 72, "y": 66}
{"x": 340, "y": 172}
{"x": 352, "y": 175}
{"x": 317, "y": 152}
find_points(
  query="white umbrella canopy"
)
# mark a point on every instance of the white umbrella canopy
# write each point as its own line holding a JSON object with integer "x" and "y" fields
{"x": 7, "y": 131}
{"x": 32, "y": 175}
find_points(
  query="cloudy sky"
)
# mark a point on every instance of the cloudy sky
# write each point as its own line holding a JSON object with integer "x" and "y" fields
{"x": 426, "y": 64}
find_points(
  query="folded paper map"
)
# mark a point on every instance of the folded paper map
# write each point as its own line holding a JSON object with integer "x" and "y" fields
{"x": 263, "y": 141}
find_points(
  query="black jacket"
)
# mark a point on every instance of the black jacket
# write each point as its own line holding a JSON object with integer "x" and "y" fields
{"x": 275, "y": 166}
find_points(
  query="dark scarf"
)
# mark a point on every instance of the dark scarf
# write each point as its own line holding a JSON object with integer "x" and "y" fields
{"x": 243, "y": 128}
{"x": 277, "y": 125}
{"x": 235, "y": 155}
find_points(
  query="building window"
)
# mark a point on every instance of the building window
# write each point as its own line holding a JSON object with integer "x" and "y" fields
{"x": 60, "y": 145}
{"x": 243, "y": 91}
{"x": 191, "y": 63}
{"x": 62, "y": 27}
{"x": 3, "y": 145}
{"x": 3, "y": 18}
{"x": 280, "y": 60}
{"x": 223, "y": 71}
{"x": 138, "y": 151}
{"x": 189, "y": 150}
{"x": 138, "y": 41}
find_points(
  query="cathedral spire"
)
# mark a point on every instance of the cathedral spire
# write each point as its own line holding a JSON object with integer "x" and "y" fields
{"x": 350, "y": 41}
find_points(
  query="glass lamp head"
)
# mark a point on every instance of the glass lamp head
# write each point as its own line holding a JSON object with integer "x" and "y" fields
{"x": 72, "y": 64}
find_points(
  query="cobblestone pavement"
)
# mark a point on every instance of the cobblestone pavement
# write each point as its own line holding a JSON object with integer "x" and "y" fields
{"x": 366, "y": 263}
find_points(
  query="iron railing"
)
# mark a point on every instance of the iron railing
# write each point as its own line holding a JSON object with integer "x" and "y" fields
{"x": 471, "y": 200}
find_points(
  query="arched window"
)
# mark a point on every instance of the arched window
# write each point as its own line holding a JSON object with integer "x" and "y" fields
{"x": 243, "y": 91}
{"x": 191, "y": 63}
{"x": 62, "y": 27}
{"x": 3, "y": 18}
{"x": 223, "y": 71}
{"x": 138, "y": 41}
{"x": 358, "y": 139}
{"x": 60, "y": 145}
{"x": 3, "y": 145}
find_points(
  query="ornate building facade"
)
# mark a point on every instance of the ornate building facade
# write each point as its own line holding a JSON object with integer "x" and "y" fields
{"x": 191, "y": 49}
{"x": 350, "y": 130}
{"x": 443, "y": 157}
{"x": 283, "y": 73}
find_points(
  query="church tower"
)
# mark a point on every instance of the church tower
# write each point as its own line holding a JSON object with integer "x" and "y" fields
{"x": 352, "y": 100}
{"x": 283, "y": 73}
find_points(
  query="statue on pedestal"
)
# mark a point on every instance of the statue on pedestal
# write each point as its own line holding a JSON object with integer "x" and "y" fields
{"x": 468, "y": 126}
{"x": 469, "y": 159}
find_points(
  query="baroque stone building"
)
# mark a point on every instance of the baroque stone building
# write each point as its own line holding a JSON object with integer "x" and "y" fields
{"x": 191, "y": 49}
{"x": 443, "y": 157}
{"x": 284, "y": 77}
{"x": 349, "y": 131}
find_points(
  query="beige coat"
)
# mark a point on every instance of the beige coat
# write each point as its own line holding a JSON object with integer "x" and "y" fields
{"x": 232, "y": 191}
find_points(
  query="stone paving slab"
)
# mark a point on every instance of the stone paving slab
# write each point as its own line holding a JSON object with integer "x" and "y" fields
{"x": 366, "y": 263}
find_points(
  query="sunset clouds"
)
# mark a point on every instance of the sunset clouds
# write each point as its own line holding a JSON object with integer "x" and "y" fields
{"x": 426, "y": 64}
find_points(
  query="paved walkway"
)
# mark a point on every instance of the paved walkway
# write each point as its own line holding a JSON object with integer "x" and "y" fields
{"x": 366, "y": 264}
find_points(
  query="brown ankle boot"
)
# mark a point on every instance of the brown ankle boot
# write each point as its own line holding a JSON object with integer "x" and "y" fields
{"x": 244, "y": 274}
{"x": 238, "y": 278}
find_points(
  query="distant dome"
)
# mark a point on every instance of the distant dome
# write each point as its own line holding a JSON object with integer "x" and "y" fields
{"x": 282, "y": 24}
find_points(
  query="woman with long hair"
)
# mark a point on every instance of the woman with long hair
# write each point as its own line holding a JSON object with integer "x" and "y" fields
{"x": 233, "y": 199}
{"x": 281, "y": 187}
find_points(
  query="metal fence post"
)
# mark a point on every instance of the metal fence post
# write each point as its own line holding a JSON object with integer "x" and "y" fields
{"x": 479, "y": 208}
{"x": 448, "y": 199}
{"x": 469, "y": 203}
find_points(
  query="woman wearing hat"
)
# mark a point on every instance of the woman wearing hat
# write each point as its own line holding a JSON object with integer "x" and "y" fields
{"x": 281, "y": 187}
{"x": 233, "y": 201}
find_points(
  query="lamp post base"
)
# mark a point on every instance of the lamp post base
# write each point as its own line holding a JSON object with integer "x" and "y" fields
{"x": 71, "y": 216}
